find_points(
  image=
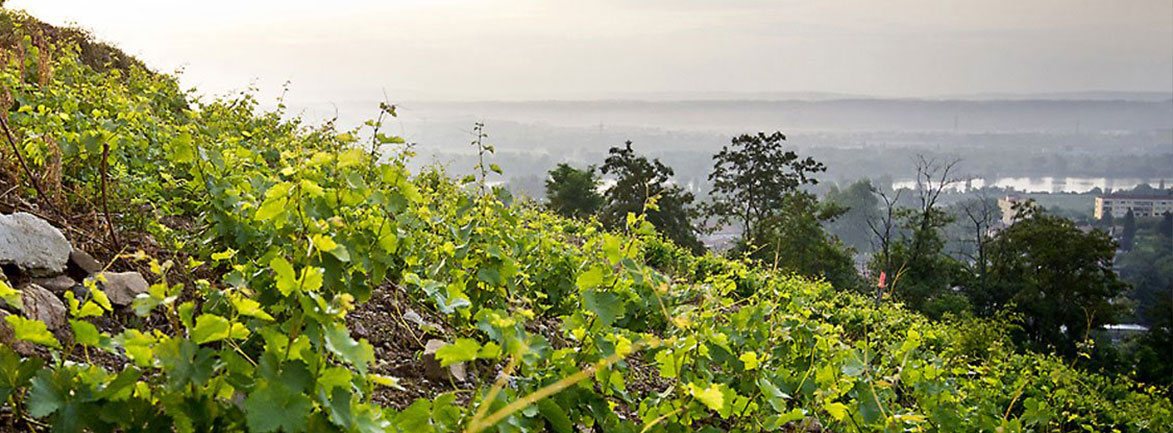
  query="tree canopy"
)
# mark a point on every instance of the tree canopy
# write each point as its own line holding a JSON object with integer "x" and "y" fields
{"x": 752, "y": 178}
{"x": 1058, "y": 276}
{"x": 637, "y": 180}
{"x": 574, "y": 193}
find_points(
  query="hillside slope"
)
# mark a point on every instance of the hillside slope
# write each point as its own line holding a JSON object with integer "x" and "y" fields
{"x": 296, "y": 282}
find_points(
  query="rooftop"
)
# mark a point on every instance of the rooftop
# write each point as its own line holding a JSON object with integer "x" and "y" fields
{"x": 1139, "y": 196}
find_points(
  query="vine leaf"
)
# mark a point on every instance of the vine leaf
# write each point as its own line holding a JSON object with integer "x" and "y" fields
{"x": 607, "y": 305}
{"x": 33, "y": 331}
{"x": 464, "y": 349}
{"x": 358, "y": 353}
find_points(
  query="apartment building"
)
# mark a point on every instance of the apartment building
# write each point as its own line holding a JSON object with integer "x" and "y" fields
{"x": 1141, "y": 205}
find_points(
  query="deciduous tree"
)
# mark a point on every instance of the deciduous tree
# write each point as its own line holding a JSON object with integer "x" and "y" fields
{"x": 574, "y": 193}
{"x": 638, "y": 179}
{"x": 753, "y": 177}
{"x": 1060, "y": 278}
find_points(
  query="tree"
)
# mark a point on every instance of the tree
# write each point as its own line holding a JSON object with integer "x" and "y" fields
{"x": 1128, "y": 231}
{"x": 861, "y": 206}
{"x": 573, "y": 193}
{"x": 1060, "y": 278}
{"x": 636, "y": 181}
{"x": 793, "y": 240}
{"x": 1165, "y": 228}
{"x": 980, "y": 215}
{"x": 1151, "y": 357}
{"x": 756, "y": 184}
{"x": 1108, "y": 222}
{"x": 753, "y": 177}
{"x": 911, "y": 244}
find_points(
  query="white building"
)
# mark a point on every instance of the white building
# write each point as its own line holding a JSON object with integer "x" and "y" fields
{"x": 1141, "y": 205}
{"x": 1006, "y": 206}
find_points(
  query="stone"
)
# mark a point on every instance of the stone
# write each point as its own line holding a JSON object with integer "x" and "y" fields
{"x": 81, "y": 264}
{"x": 57, "y": 285}
{"x": 8, "y": 338}
{"x": 32, "y": 245}
{"x": 122, "y": 287}
{"x": 414, "y": 317}
{"x": 419, "y": 322}
{"x": 432, "y": 368}
{"x": 41, "y": 304}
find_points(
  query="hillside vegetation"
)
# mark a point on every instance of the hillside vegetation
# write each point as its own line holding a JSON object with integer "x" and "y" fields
{"x": 296, "y": 277}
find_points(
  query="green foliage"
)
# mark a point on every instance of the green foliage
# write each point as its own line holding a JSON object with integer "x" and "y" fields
{"x": 1056, "y": 275}
{"x": 573, "y": 193}
{"x": 287, "y": 228}
{"x": 643, "y": 186}
{"x": 912, "y": 242}
{"x": 753, "y": 178}
{"x": 1148, "y": 268}
{"x": 861, "y": 207}
{"x": 1128, "y": 231}
{"x": 793, "y": 240}
{"x": 756, "y": 185}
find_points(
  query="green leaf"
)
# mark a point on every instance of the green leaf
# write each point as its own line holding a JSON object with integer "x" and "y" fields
{"x": 248, "y": 307}
{"x": 15, "y": 371}
{"x": 836, "y": 410}
{"x": 85, "y": 333}
{"x": 224, "y": 255}
{"x": 209, "y": 328}
{"x": 388, "y": 240}
{"x": 286, "y": 278}
{"x": 33, "y": 331}
{"x": 48, "y": 393}
{"x": 275, "y": 202}
{"x": 182, "y": 150}
{"x": 611, "y": 248}
{"x": 489, "y": 275}
{"x": 555, "y": 416}
{"x": 490, "y": 350}
{"x": 357, "y": 353}
{"x": 272, "y": 407}
{"x": 710, "y": 396}
{"x": 464, "y": 349}
{"x": 774, "y": 396}
{"x": 750, "y": 360}
{"x": 607, "y": 305}
{"x": 666, "y": 362}
{"x": 311, "y": 279}
{"x": 10, "y": 295}
{"x": 590, "y": 279}
{"x": 854, "y": 365}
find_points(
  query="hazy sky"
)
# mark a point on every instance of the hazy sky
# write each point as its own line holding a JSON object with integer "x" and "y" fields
{"x": 525, "y": 49}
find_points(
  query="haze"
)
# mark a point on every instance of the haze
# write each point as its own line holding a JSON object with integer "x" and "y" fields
{"x": 526, "y": 49}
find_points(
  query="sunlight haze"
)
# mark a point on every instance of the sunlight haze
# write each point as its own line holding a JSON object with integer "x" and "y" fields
{"x": 523, "y": 49}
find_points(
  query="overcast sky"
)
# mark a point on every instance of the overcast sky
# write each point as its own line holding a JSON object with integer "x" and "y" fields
{"x": 530, "y": 49}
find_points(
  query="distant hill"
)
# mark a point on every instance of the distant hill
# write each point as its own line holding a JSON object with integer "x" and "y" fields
{"x": 843, "y": 115}
{"x": 1094, "y": 95}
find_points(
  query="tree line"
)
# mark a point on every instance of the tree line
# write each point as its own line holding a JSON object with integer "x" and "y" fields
{"x": 1055, "y": 281}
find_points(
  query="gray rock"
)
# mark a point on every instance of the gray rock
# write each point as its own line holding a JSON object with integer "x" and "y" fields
{"x": 122, "y": 287}
{"x": 434, "y": 371}
{"x": 41, "y": 304}
{"x": 419, "y": 322}
{"x": 82, "y": 264}
{"x": 32, "y": 245}
{"x": 57, "y": 285}
{"x": 414, "y": 317}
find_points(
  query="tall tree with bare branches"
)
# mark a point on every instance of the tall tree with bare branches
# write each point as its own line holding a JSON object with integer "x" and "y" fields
{"x": 911, "y": 243}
